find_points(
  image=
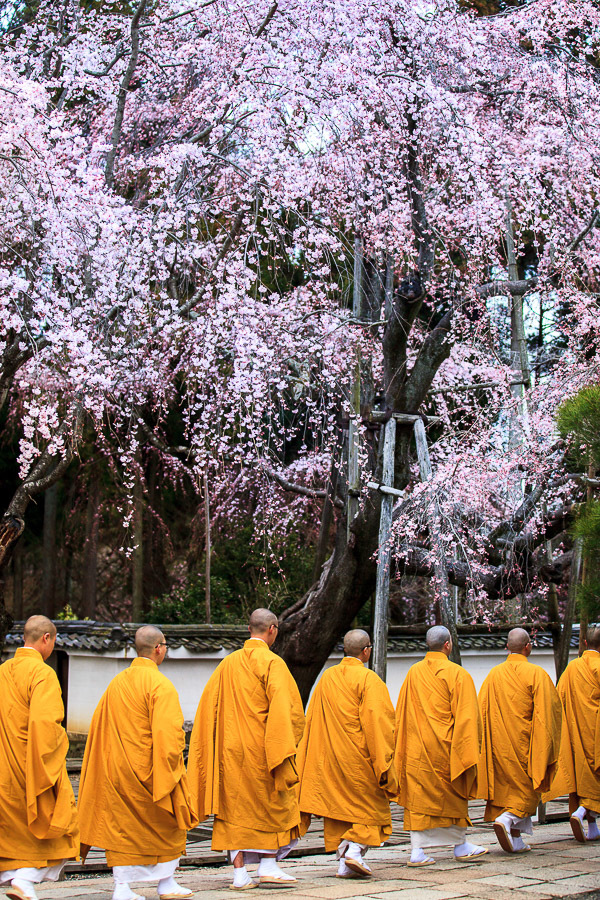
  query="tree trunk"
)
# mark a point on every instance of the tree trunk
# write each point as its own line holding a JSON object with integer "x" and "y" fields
{"x": 48, "y": 602}
{"x": 17, "y": 568}
{"x": 89, "y": 584}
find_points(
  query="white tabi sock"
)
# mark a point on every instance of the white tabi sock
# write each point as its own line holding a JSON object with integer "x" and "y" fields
{"x": 580, "y": 813}
{"x": 466, "y": 849}
{"x": 518, "y": 843}
{"x": 169, "y": 886}
{"x": 241, "y": 877}
{"x": 122, "y": 891}
{"x": 593, "y": 832}
{"x": 343, "y": 870}
{"x": 268, "y": 867}
{"x": 418, "y": 855}
{"x": 25, "y": 886}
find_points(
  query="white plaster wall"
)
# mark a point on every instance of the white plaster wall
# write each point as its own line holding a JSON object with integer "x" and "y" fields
{"x": 89, "y": 675}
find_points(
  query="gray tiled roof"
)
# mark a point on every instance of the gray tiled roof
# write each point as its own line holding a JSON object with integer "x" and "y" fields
{"x": 103, "y": 637}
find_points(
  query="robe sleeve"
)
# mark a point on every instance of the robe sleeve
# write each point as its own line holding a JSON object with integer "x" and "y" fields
{"x": 204, "y": 752}
{"x": 466, "y": 735}
{"x": 169, "y": 782}
{"x": 285, "y": 718}
{"x": 48, "y": 792}
{"x": 376, "y": 715}
{"x": 545, "y": 732}
{"x": 485, "y": 769}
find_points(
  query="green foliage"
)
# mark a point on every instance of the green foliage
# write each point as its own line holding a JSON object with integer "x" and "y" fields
{"x": 578, "y": 419}
{"x": 66, "y": 614}
{"x": 245, "y": 574}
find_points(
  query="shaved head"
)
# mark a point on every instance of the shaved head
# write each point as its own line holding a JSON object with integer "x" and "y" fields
{"x": 36, "y": 627}
{"x": 355, "y": 642}
{"x": 146, "y": 639}
{"x": 593, "y": 637}
{"x": 261, "y": 620}
{"x": 436, "y": 637}
{"x": 518, "y": 639}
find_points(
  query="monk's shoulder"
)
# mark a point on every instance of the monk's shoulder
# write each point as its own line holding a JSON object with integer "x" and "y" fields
{"x": 40, "y": 673}
{"x": 274, "y": 665}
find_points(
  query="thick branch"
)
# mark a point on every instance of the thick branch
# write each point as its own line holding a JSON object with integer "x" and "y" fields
{"x": 502, "y": 288}
{"x": 435, "y": 349}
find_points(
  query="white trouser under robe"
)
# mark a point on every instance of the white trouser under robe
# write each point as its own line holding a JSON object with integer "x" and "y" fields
{"x": 251, "y": 857}
{"x": 452, "y": 836}
{"x": 125, "y": 874}
{"x": 48, "y": 873}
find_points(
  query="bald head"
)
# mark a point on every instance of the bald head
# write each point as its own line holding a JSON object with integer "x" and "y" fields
{"x": 36, "y": 627}
{"x": 263, "y": 624}
{"x": 40, "y": 634}
{"x": 437, "y": 637}
{"x": 147, "y": 639}
{"x": 355, "y": 642}
{"x": 518, "y": 641}
{"x": 592, "y": 638}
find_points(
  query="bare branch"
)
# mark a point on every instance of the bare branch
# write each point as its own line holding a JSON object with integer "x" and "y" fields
{"x": 299, "y": 488}
{"x": 109, "y": 172}
{"x": 584, "y": 233}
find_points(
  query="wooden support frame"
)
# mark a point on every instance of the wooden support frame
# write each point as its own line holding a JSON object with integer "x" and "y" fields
{"x": 390, "y": 494}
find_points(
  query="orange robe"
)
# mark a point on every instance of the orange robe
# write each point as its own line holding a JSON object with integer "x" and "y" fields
{"x": 521, "y": 718}
{"x": 346, "y": 758}
{"x": 242, "y": 760}
{"x": 134, "y": 801}
{"x": 38, "y": 821}
{"x": 438, "y": 740}
{"x": 579, "y": 759}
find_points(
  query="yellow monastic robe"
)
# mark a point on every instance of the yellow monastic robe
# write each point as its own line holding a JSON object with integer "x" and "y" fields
{"x": 579, "y": 759}
{"x": 242, "y": 760}
{"x": 38, "y": 820}
{"x": 438, "y": 740}
{"x": 346, "y": 758}
{"x": 520, "y": 710}
{"x": 134, "y": 801}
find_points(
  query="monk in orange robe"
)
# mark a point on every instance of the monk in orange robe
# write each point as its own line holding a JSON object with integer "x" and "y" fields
{"x": 38, "y": 821}
{"x": 242, "y": 760}
{"x": 346, "y": 758}
{"x": 521, "y": 718}
{"x": 438, "y": 741}
{"x": 579, "y": 759}
{"x": 134, "y": 801}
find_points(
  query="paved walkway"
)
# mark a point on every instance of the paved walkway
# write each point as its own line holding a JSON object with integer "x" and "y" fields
{"x": 556, "y": 867}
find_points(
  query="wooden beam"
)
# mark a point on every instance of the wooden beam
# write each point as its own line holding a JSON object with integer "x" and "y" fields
{"x": 385, "y": 489}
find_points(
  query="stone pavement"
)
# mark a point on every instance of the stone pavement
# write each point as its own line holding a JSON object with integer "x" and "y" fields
{"x": 556, "y": 867}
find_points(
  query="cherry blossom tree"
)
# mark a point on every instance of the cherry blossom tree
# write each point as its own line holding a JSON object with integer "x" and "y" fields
{"x": 230, "y": 213}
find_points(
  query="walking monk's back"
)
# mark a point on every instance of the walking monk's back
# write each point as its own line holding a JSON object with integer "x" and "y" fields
{"x": 438, "y": 739}
{"x": 520, "y": 711}
{"x": 242, "y": 761}
{"x": 346, "y": 758}
{"x": 579, "y": 759}
{"x": 38, "y": 823}
{"x": 133, "y": 797}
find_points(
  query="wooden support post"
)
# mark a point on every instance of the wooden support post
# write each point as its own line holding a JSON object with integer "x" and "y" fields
{"x": 437, "y": 545}
{"x": 353, "y": 430}
{"x": 207, "y": 552}
{"x": 382, "y": 592}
